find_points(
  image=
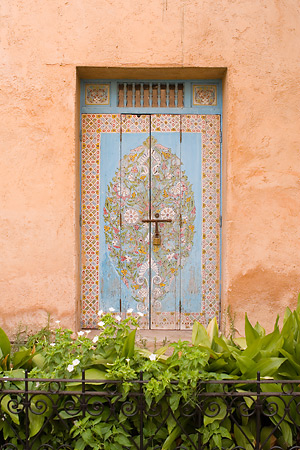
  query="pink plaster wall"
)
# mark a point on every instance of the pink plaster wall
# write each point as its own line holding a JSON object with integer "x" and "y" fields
{"x": 43, "y": 42}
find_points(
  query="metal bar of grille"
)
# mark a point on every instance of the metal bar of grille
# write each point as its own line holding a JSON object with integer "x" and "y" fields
{"x": 167, "y": 95}
{"x": 125, "y": 94}
{"x": 158, "y": 95}
{"x": 142, "y": 94}
{"x": 150, "y": 94}
{"x": 133, "y": 95}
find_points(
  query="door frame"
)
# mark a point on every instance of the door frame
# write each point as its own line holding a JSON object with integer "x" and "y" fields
{"x": 111, "y": 108}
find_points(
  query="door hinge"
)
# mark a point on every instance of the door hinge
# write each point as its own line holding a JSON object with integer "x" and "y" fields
{"x": 80, "y": 135}
{"x": 80, "y": 220}
{"x": 221, "y": 137}
{"x": 221, "y": 221}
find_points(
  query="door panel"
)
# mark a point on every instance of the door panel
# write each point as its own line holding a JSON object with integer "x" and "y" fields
{"x": 135, "y": 251}
{"x": 166, "y": 202}
{"x": 191, "y": 157}
{"x": 151, "y": 167}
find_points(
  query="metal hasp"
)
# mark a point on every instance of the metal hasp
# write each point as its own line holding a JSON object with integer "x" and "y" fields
{"x": 156, "y": 238}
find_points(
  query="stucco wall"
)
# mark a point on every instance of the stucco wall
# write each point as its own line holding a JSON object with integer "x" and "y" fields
{"x": 42, "y": 44}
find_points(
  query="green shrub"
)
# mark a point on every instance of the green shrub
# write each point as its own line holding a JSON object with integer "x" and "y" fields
{"x": 175, "y": 380}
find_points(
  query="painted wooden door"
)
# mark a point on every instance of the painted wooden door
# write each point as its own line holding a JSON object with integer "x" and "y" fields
{"x": 155, "y": 190}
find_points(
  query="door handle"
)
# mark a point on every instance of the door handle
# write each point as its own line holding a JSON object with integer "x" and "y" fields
{"x": 156, "y": 239}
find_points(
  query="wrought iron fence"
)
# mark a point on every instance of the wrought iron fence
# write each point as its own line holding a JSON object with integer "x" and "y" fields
{"x": 42, "y": 414}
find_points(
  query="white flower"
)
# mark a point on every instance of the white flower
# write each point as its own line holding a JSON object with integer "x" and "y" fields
{"x": 111, "y": 309}
{"x": 127, "y": 359}
{"x": 57, "y": 321}
{"x": 140, "y": 314}
{"x": 95, "y": 339}
{"x": 129, "y": 310}
{"x": 131, "y": 216}
{"x": 76, "y": 362}
{"x": 152, "y": 357}
{"x": 170, "y": 256}
{"x": 37, "y": 384}
{"x": 100, "y": 312}
{"x": 52, "y": 344}
{"x": 101, "y": 323}
{"x": 70, "y": 368}
{"x": 167, "y": 213}
{"x": 118, "y": 318}
{"x": 80, "y": 333}
{"x": 87, "y": 332}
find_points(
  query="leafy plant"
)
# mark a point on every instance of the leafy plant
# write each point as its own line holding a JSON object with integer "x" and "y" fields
{"x": 174, "y": 386}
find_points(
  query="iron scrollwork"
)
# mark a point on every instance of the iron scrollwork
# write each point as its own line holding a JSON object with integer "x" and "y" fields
{"x": 269, "y": 406}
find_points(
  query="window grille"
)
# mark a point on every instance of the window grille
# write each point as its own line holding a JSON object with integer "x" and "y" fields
{"x": 147, "y": 95}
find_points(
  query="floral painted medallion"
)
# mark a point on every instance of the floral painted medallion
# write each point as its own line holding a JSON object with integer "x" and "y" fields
{"x": 145, "y": 185}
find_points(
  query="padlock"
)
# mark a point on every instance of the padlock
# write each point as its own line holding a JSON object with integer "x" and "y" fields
{"x": 156, "y": 239}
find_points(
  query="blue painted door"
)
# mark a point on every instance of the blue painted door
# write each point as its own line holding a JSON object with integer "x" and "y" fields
{"x": 151, "y": 168}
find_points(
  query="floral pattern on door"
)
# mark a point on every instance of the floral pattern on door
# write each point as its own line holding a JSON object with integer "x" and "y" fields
{"x": 128, "y": 238}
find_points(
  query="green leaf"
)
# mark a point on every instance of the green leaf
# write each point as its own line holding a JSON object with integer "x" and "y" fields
{"x": 225, "y": 433}
{"x": 80, "y": 444}
{"x": 244, "y": 437}
{"x": 220, "y": 341}
{"x": 241, "y": 342}
{"x": 7, "y": 405}
{"x": 123, "y": 440}
{"x": 287, "y": 433}
{"x": 40, "y": 407}
{"x": 200, "y": 336}
{"x": 261, "y": 331}
{"x": 4, "y": 343}
{"x": 244, "y": 363}
{"x": 66, "y": 415}
{"x": 212, "y": 331}
{"x": 21, "y": 357}
{"x": 38, "y": 360}
{"x": 36, "y": 422}
{"x": 288, "y": 324}
{"x": 171, "y": 423}
{"x": 215, "y": 411}
{"x": 90, "y": 374}
{"x": 174, "y": 435}
{"x": 41, "y": 404}
{"x": 298, "y": 305}
{"x": 250, "y": 332}
{"x": 265, "y": 437}
{"x": 174, "y": 401}
{"x": 217, "y": 440}
{"x": 128, "y": 348}
{"x": 87, "y": 436}
{"x": 266, "y": 367}
{"x": 115, "y": 446}
{"x": 280, "y": 405}
{"x": 291, "y": 360}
